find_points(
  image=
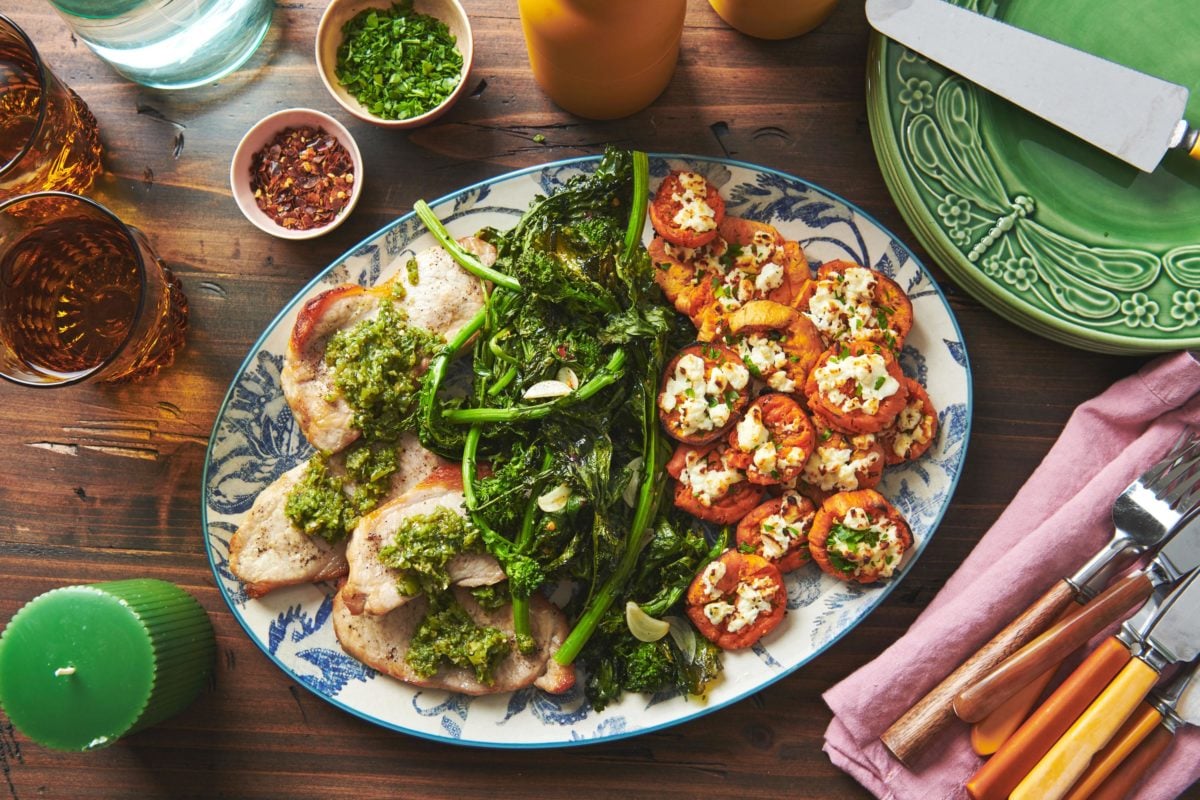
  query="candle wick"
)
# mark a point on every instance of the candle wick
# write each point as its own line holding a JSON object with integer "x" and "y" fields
{"x": 58, "y": 673}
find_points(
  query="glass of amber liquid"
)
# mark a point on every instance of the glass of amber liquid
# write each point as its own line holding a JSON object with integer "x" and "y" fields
{"x": 48, "y": 137}
{"x": 82, "y": 295}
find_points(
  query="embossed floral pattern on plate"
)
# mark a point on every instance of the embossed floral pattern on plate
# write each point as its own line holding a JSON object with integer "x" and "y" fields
{"x": 943, "y": 142}
{"x": 255, "y": 439}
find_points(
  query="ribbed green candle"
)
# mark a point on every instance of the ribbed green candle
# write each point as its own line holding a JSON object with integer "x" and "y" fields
{"x": 84, "y": 665}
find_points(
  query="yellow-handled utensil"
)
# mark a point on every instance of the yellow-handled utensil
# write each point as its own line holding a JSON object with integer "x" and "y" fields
{"x": 1173, "y": 635}
{"x": 1166, "y": 711}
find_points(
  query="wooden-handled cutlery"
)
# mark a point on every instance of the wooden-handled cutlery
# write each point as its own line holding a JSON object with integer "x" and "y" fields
{"x": 1143, "y": 515}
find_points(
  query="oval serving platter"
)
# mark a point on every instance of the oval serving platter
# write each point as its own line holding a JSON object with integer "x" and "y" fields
{"x": 1040, "y": 227}
{"x": 255, "y": 439}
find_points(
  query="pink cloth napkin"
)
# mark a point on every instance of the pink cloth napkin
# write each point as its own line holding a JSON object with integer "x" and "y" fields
{"x": 1060, "y": 516}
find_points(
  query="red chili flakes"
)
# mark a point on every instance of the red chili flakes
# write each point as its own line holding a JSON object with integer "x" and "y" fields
{"x": 302, "y": 178}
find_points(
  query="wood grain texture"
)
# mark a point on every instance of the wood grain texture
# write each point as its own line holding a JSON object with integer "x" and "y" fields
{"x": 1050, "y": 648}
{"x": 908, "y": 736}
{"x": 103, "y": 483}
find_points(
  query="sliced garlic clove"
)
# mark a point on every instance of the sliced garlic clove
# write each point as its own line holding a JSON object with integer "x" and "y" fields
{"x": 568, "y": 376}
{"x": 684, "y": 636}
{"x": 644, "y": 627}
{"x": 555, "y": 500}
{"x": 630, "y": 493}
{"x": 544, "y": 390}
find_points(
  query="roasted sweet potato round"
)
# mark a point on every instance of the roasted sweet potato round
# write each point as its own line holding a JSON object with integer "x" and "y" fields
{"x": 914, "y": 429}
{"x": 687, "y": 209}
{"x": 778, "y": 344}
{"x": 705, "y": 388}
{"x": 778, "y": 529}
{"x": 773, "y": 440}
{"x": 858, "y": 536}
{"x": 737, "y": 599}
{"x": 841, "y": 463}
{"x": 710, "y": 488}
{"x": 849, "y": 301}
{"x": 856, "y": 387}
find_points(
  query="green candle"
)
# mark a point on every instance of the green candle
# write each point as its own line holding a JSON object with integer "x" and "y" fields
{"x": 82, "y": 666}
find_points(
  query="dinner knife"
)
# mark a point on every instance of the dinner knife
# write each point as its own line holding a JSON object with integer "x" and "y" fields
{"x": 1166, "y": 710}
{"x": 1129, "y": 114}
{"x": 1172, "y": 636}
{"x": 1001, "y": 773}
{"x": 1178, "y": 556}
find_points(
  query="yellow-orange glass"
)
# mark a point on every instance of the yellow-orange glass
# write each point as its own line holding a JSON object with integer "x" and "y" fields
{"x": 48, "y": 137}
{"x": 602, "y": 59}
{"x": 82, "y": 295}
{"x": 773, "y": 19}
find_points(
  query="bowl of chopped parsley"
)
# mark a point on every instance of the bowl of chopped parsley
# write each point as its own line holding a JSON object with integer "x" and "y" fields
{"x": 398, "y": 65}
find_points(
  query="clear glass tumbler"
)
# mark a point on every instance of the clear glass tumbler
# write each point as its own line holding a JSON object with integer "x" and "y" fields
{"x": 170, "y": 44}
{"x": 82, "y": 295}
{"x": 48, "y": 137}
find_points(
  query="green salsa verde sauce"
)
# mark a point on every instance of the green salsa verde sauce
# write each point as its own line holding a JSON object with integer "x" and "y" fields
{"x": 319, "y": 504}
{"x": 424, "y": 544}
{"x": 448, "y": 634}
{"x": 376, "y": 365}
{"x": 420, "y": 550}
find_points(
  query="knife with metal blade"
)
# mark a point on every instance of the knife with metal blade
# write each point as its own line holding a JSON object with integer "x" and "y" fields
{"x": 1166, "y": 710}
{"x": 1172, "y": 636}
{"x": 1178, "y": 556}
{"x": 1134, "y": 116}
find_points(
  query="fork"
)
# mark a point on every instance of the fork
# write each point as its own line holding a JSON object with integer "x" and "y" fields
{"x": 1143, "y": 515}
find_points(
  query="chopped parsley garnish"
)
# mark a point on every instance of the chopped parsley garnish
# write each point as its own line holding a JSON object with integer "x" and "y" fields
{"x": 398, "y": 63}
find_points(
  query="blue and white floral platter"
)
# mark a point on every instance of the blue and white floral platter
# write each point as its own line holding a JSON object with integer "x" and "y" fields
{"x": 255, "y": 440}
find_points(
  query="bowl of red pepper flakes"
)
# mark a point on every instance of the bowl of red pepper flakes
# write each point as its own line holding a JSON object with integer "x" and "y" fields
{"x": 297, "y": 174}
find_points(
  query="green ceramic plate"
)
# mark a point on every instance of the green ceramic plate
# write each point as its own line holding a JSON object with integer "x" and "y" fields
{"x": 1047, "y": 231}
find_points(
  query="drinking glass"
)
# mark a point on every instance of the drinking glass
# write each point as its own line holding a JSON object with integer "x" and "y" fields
{"x": 48, "y": 137}
{"x": 170, "y": 44}
{"x": 82, "y": 295}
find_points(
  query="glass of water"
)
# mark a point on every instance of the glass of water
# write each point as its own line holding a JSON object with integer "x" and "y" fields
{"x": 170, "y": 44}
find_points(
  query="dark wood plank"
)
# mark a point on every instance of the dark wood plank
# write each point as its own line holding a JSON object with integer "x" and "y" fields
{"x": 102, "y": 482}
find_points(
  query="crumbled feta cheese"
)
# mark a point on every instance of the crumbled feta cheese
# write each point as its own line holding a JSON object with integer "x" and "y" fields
{"x": 831, "y": 467}
{"x": 770, "y": 277}
{"x": 776, "y": 536}
{"x": 858, "y": 382}
{"x": 750, "y": 431}
{"x": 708, "y": 483}
{"x": 876, "y": 549}
{"x": 711, "y": 576}
{"x": 717, "y": 612}
{"x": 694, "y": 214}
{"x": 843, "y": 306}
{"x": 701, "y": 401}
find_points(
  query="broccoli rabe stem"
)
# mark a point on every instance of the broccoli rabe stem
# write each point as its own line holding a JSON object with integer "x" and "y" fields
{"x": 610, "y": 374}
{"x": 641, "y": 196}
{"x": 520, "y": 605}
{"x": 469, "y": 262}
{"x": 649, "y": 495}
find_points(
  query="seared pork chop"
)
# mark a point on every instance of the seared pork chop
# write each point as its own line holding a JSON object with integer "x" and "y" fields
{"x": 381, "y": 642}
{"x": 442, "y": 300}
{"x": 372, "y": 586}
{"x": 268, "y": 551}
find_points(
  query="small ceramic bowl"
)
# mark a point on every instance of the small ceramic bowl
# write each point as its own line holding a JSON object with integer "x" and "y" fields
{"x": 262, "y": 133}
{"x": 329, "y": 38}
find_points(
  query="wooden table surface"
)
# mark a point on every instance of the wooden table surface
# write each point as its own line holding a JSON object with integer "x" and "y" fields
{"x": 100, "y": 482}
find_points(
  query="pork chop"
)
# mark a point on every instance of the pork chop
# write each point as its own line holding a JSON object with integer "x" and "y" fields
{"x": 382, "y": 642}
{"x": 439, "y": 296}
{"x": 372, "y": 587}
{"x": 268, "y": 552}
